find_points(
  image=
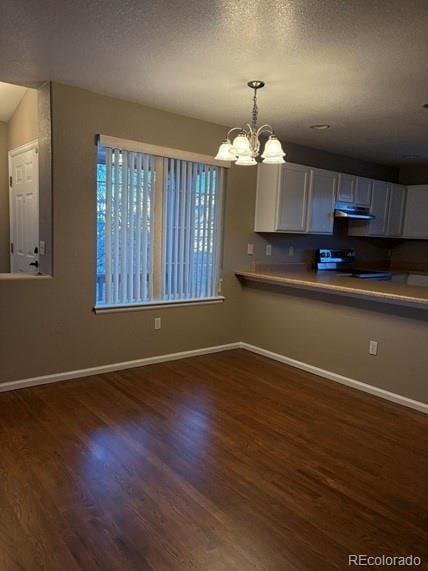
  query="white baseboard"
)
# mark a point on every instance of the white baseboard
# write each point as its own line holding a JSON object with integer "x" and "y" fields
{"x": 56, "y": 377}
{"x": 68, "y": 375}
{"x": 417, "y": 405}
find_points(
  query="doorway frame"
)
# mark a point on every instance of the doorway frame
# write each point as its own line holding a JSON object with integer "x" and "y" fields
{"x": 31, "y": 145}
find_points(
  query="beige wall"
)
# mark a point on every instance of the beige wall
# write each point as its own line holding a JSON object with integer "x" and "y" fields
{"x": 331, "y": 161}
{"x": 415, "y": 174}
{"x": 50, "y": 323}
{"x": 333, "y": 334}
{"x": 411, "y": 251}
{"x": 4, "y": 201}
{"x": 23, "y": 126}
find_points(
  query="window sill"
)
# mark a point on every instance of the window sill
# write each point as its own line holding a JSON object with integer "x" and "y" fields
{"x": 157, "y": 305}
{"x": 24, "y": 277}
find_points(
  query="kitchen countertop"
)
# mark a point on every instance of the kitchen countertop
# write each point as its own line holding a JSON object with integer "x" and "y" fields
{"x": 303, "y": 278}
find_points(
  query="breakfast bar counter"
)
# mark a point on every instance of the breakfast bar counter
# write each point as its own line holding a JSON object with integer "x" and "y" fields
{"x": 304, "y": 279}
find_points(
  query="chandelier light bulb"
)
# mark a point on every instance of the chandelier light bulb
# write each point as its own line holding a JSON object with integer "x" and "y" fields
{"x": 273, "y": 149}
{"x": 241, "y": 145}
{"x": 274, "y": 161}
{"x": 226, "y": 152}
{"x": 246, "y": 161}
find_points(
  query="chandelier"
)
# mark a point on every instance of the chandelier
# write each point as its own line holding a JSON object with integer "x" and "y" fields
{"x": 245, "y": 147}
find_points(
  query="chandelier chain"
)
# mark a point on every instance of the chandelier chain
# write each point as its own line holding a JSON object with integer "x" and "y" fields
{"x": 255, "y": 110}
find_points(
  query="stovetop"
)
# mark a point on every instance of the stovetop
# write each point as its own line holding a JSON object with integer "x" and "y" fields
{"x": 364, "y": 274}
{"x": 343, "y": 263}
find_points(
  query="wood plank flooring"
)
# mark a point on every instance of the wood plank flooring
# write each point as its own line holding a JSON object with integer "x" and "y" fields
{"x": 227, "y": 462}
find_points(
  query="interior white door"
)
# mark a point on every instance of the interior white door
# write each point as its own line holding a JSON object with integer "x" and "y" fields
{"x": 24, "y": 208}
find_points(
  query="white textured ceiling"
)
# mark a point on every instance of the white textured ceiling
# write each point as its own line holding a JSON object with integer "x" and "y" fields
{"x": 360, "y": 65}
{"x": 10, "y": 96}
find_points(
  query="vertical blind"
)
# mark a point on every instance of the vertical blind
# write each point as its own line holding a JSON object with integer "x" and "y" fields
{"x": 158, "y": 228}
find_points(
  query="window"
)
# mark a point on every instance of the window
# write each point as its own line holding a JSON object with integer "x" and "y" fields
{"x": 158, "y": 229}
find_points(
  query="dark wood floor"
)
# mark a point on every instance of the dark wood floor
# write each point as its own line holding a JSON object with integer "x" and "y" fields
{"x": 221, "y": 462}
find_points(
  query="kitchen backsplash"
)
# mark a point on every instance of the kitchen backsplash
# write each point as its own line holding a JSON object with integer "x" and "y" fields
{"x": 301, "y": 247}
{"x": 410, "y": 251}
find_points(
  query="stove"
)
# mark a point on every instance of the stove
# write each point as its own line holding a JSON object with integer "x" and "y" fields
{"x": 342, "y": 262}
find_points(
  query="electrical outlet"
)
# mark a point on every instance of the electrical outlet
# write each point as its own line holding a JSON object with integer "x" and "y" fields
{"x": 157, "y": 322}
{"x": 250, "y": 249}
{"x": 291, "y": 250}
{"x": 268, "y": 250}
{"x": 373, "y": 347}
{"x": 42, "y": 248}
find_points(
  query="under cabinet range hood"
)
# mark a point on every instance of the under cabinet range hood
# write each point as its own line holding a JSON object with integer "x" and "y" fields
{"x": 352, "y": 212}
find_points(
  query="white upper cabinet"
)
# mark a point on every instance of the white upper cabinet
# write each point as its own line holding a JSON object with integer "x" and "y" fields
{"x": 397, "y": 202}
{"x": 299, "y": 199}
{"x": 363, "y": 191}
{"x": 387, "y": 205}
{"x": 416, "y": 216}
{"x": 282, "y": 197}
{"x": 346, "y": 188}
{"x": 322, "y": 192}
{"x": 267, "y": 197}
{"x": 379, "y": 208}
{"x": 293, "y": 198}
{"x": 354, "y": 189}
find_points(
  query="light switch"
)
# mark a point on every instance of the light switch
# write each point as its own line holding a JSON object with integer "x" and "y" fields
{"x": 373, "y": 347}
{"x": 250, "y": 249}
